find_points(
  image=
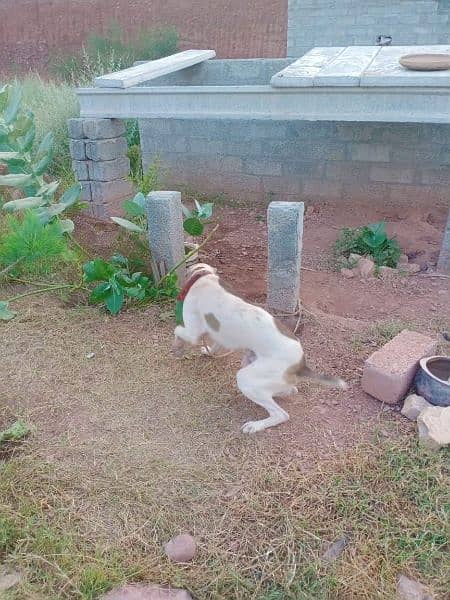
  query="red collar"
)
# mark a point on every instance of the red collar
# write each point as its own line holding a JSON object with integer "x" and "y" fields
{"x": 189, "y": 283}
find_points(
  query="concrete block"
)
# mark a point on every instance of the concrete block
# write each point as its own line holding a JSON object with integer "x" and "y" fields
{"x": 165, "y": 231}
{"x": 370, "y": 152}
{"x": 395, "y": 174}
{"x": 285, "y": 241}
{"x": 80, "y": 168}
{"x": 389, "y": 372}
{"x": 76, "y": 129}
{"x": 101, "y": 211}
{"x": 108, "y": 192}
{"x": 106, "y": 149}
{"x": 100, "y": 129}
{"x": 444, "y": 256}
{"x": 77, "y": 149}
{"x": 109, "y": 170}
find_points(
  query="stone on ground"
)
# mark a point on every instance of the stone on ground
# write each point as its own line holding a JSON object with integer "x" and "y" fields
{"x": 366, "y": 267}
{"x": 388, "y": 372}
{"x": 413, "y": 406}
{"x": 386, "y": 272}
{"x": 403, "y": 259}
{"x": 335, "y": 550}
{"x": 146, "y": 592}
{"x": 434, "y": 427}
{"x": 8, "y": 579}
{"x": 181, "y": 548}
{"x": 409, "y": 589}
{"x": 348, "y": 273}
{"x": 409, "y": 268}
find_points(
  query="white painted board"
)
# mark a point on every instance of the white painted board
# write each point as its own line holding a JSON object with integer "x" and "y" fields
{"x": 386, "y": 71}
{"x": 154, "y": 68}
{"x": 347, "y": 68}
{"x": 302, "y": 72}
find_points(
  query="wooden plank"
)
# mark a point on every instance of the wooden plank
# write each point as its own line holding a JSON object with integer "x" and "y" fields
{"x": 385, "y": 70}
{"x": 301, "y": 73}
{"x": 347, "y": 68}
{"x": 154, "y": 68}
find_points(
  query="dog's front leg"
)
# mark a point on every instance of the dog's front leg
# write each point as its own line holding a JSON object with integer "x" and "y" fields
{"x": 183, "y": 336}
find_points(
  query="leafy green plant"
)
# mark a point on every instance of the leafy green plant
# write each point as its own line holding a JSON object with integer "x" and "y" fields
{"x": 111, "y": 52}
{"x": 27, "y": 166}
{"x": 15, "y": 433}
{"x": 194, "y": 222}
{"x": 30, "y": 247}
{"x": 117, "y": 284}
{"x": 149, "y": 180}
{"x": 371, "y": 240}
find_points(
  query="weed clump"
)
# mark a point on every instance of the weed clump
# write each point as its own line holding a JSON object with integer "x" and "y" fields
{"x": 370, "y": 240}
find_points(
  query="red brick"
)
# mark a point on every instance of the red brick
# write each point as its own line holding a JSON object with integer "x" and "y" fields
{"x": 389, "y": 372}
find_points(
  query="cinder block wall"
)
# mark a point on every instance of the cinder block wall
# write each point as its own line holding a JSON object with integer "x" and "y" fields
{"x": 359, "y": 22}
{"x": 254, "y": 160}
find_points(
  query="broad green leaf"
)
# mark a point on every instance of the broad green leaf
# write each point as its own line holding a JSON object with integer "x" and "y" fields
{"x": 3, "y": 130}
{"x": 135, "y": 292}
{"x": 42, "y": 164}
{"x": 55, "y": 209}
{"x": 126, "y": 224}
{"x": 23, "y": 203}
{"x": 12, "y": 108}
{"x": 71, "y": 195}
{"x": 205, "y": 211}
{"x": 43, "y": 215}
{"x": 26, "y": 141}
{"x": 5, "y": 313}
{"x": 16, "y": 180}
{"x": 186, "y": 212}
{"x": 45, "y": 146}
{"x": 119, "y": 259}
{"x": 133, "y": 209}
{"x": 139, "y": 199}
{"x": 48, "y": 189}
{"x": 66, "y": 225}
{"x": 9, "y": 156}
{"x": 97, "y": 270}
{"x": 100, "y": 292}
{"x": 114, "y": 301}
{"x": 193, "y": 226}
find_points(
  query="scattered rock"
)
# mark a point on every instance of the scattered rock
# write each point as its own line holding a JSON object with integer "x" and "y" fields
{"x": 335, "y": 550}
{"x": 409, "y": 589}
{"x": 403, "y": 259}
{"x": 9, "y": 579}
{"x": 386, "y": 272}
{"x": 410, "y": 268}
{"x": 181, "y": 548}
{"x": 348, "y": 273}
{"x": 146, "y": 592}
{"x": 434, "y": 427}
{"x": 413, "y": 406}
{"x": 366, "y": 267}
{"x": 354, "y": 258}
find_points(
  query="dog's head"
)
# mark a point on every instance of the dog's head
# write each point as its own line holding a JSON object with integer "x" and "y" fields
{"x": 200, "y": 267}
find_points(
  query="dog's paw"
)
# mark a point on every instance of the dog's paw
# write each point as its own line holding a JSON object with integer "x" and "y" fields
{"x": 205, "y": 351}
{"x": 253, "y": 427}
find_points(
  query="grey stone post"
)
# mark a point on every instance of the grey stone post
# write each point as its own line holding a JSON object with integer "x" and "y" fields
{"x": 444, "y": 256}
{"x": 99, "y": 159}
{"x": 165, "y": 233}
{"x": 285, "y": 238}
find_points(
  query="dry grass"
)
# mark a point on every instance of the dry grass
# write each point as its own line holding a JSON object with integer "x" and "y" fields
{"x": 262, "y": 526}
{"x": 130, "y": 448}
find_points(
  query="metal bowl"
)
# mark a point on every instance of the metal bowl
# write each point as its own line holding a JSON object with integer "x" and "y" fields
{"x": 433, "y": 380}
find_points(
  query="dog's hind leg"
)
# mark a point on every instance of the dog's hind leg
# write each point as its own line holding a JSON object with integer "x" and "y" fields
{"x": 254, "y": 383}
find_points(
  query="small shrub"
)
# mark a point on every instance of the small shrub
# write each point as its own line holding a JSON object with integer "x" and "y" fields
{"x": 29, "y": 247}
{"x": 370, "y": 240}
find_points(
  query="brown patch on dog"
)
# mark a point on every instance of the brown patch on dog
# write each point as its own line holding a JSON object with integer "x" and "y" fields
{"x": 295, "y": 371}
{"x": 212, "y": 321}
{"x": 301, "y": 370}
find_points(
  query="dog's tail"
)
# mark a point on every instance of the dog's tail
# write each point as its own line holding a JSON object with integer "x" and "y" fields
{"x": 306, "y": 373}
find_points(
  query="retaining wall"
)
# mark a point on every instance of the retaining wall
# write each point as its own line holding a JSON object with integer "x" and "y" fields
{"x": 302, "y": 160}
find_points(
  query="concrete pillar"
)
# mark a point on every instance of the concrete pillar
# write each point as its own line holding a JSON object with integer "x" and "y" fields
{"x": 285, "y": 238}
{"x": 99, "y": 159}
{"x": 165, "y": 233}
{"x": 444, "y": 256}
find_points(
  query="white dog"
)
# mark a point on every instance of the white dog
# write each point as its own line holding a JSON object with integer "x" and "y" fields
{"x": 274, "y": 360}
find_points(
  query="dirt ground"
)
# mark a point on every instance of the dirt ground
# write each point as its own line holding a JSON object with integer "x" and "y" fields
{"x": 109, "y": 403}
